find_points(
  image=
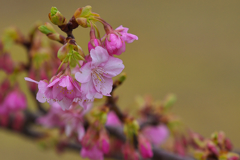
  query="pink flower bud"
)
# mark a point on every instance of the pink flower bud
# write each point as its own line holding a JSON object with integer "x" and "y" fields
{"x": 103, "y": 142}
{"x": 129, "y": 153}
{"x": 15, "y": 101}
{"x": 232, "y": 156}
{"x": 112, "y": 119}
{"x": 212, "y": 147}
{"x": 145, "y": 147}
{"x": 228, "y": 144}
{"x": 115, "y": 39}
{"x": 92, "y": 44}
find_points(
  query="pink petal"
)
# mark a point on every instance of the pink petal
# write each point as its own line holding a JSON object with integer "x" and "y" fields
{"x": 129, "y": 38}
{"x": 57, "y": 92}
{"x": 89, "y": 90}
{"x": 30, "y": 80}
{"x": 68, "y": 130}
{"x": 54, "y": 82}
{"x": 65, "y": 103}
{"x": 123, "y": 29}
{"x": 113, "y": 67}
{"x": 66, "y": 82}
{"x": 99, "y": 55}
{"x": 41, "y": 97}
{"x": 42, "y": 86}
{"x": 120, "y": 50}
{"x": 104, "y": 86}
{"x": 81, "y": 132}
{"x": 85, "y": 73}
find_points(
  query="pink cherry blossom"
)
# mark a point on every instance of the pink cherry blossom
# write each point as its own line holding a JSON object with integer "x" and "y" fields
{"x": 71, "y": 120}
{"x": 93, "y": 153}
{"x": 96, "y": 75}
{"x": 63, "y": 90}
{"x": 13, "y": 102}
{"x": 112, "y": 119}
{"x": 156, "y": 134}
{"x": 115, "y": 40}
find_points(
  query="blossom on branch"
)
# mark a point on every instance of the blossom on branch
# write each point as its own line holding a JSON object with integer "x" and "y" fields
{"x": 63, "y": 90}
{"x": 96, "y": 75}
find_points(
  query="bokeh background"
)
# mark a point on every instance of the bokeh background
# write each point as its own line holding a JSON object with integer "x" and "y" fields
{"x": 190, "y": 48}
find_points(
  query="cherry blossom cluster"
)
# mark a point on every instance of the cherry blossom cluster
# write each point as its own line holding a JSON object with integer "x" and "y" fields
{"x": 70, "y": 81}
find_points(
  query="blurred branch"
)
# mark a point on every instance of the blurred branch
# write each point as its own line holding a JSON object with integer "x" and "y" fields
{"x": 30, "y": 119}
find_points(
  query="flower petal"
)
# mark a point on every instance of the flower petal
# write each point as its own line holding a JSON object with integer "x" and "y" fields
{"x": 65, "y": 103}
{"x": 80, "y": 131}
{"x": 85, "y": 73}
{"x": 104, "y": 86}
{"x": 30, "y": 80}
{"x": 113, "y": 67}
{"x": 88, "y": 90}
{"x": 41, "y": 97}
{"x": 66, "y": 82}
{"x": 54, "y": 82}
{"x": 129, "y": 38}
{"x": 122, "y": 29}
{"x": 99, "y": 55}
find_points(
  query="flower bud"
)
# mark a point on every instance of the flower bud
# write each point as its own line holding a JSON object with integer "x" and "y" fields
{"x": 84, "y": 15}
{"x": 131, "y": 128}
{"x": 145, "y": 147}
{"x": 47, "y": 28}
{"x": 122, "y": 77}
{"x": 229, "y": 156}
{"x": 56, "y": 17}
{"x": 82, "y": 22}
{"x": 228, "y": 144}
{"x": 103, "y": 142}
{"x": 70, "y": 53}
{"x": 232, "y": 156}
{"x": 212, "y": 147}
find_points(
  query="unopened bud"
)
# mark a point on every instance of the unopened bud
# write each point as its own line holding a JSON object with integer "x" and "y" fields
{"x": 232, "y": 156}
{"x": 122, "y": 77}
{"x": 70, "y": 53}
{"x": 212, "y": 147}
{"x": 131, "y": 128}
{"x": 56, "y": 17}
{"x": 82, "y": 22}
{"x": 84, "y": 15}
{"x": 47, "y": 28}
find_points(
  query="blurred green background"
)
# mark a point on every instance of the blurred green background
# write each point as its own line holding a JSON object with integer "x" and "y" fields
{"x": 190, "y": 48}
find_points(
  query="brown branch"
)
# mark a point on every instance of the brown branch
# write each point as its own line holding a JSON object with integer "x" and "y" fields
{"x": 69, "y": 27}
